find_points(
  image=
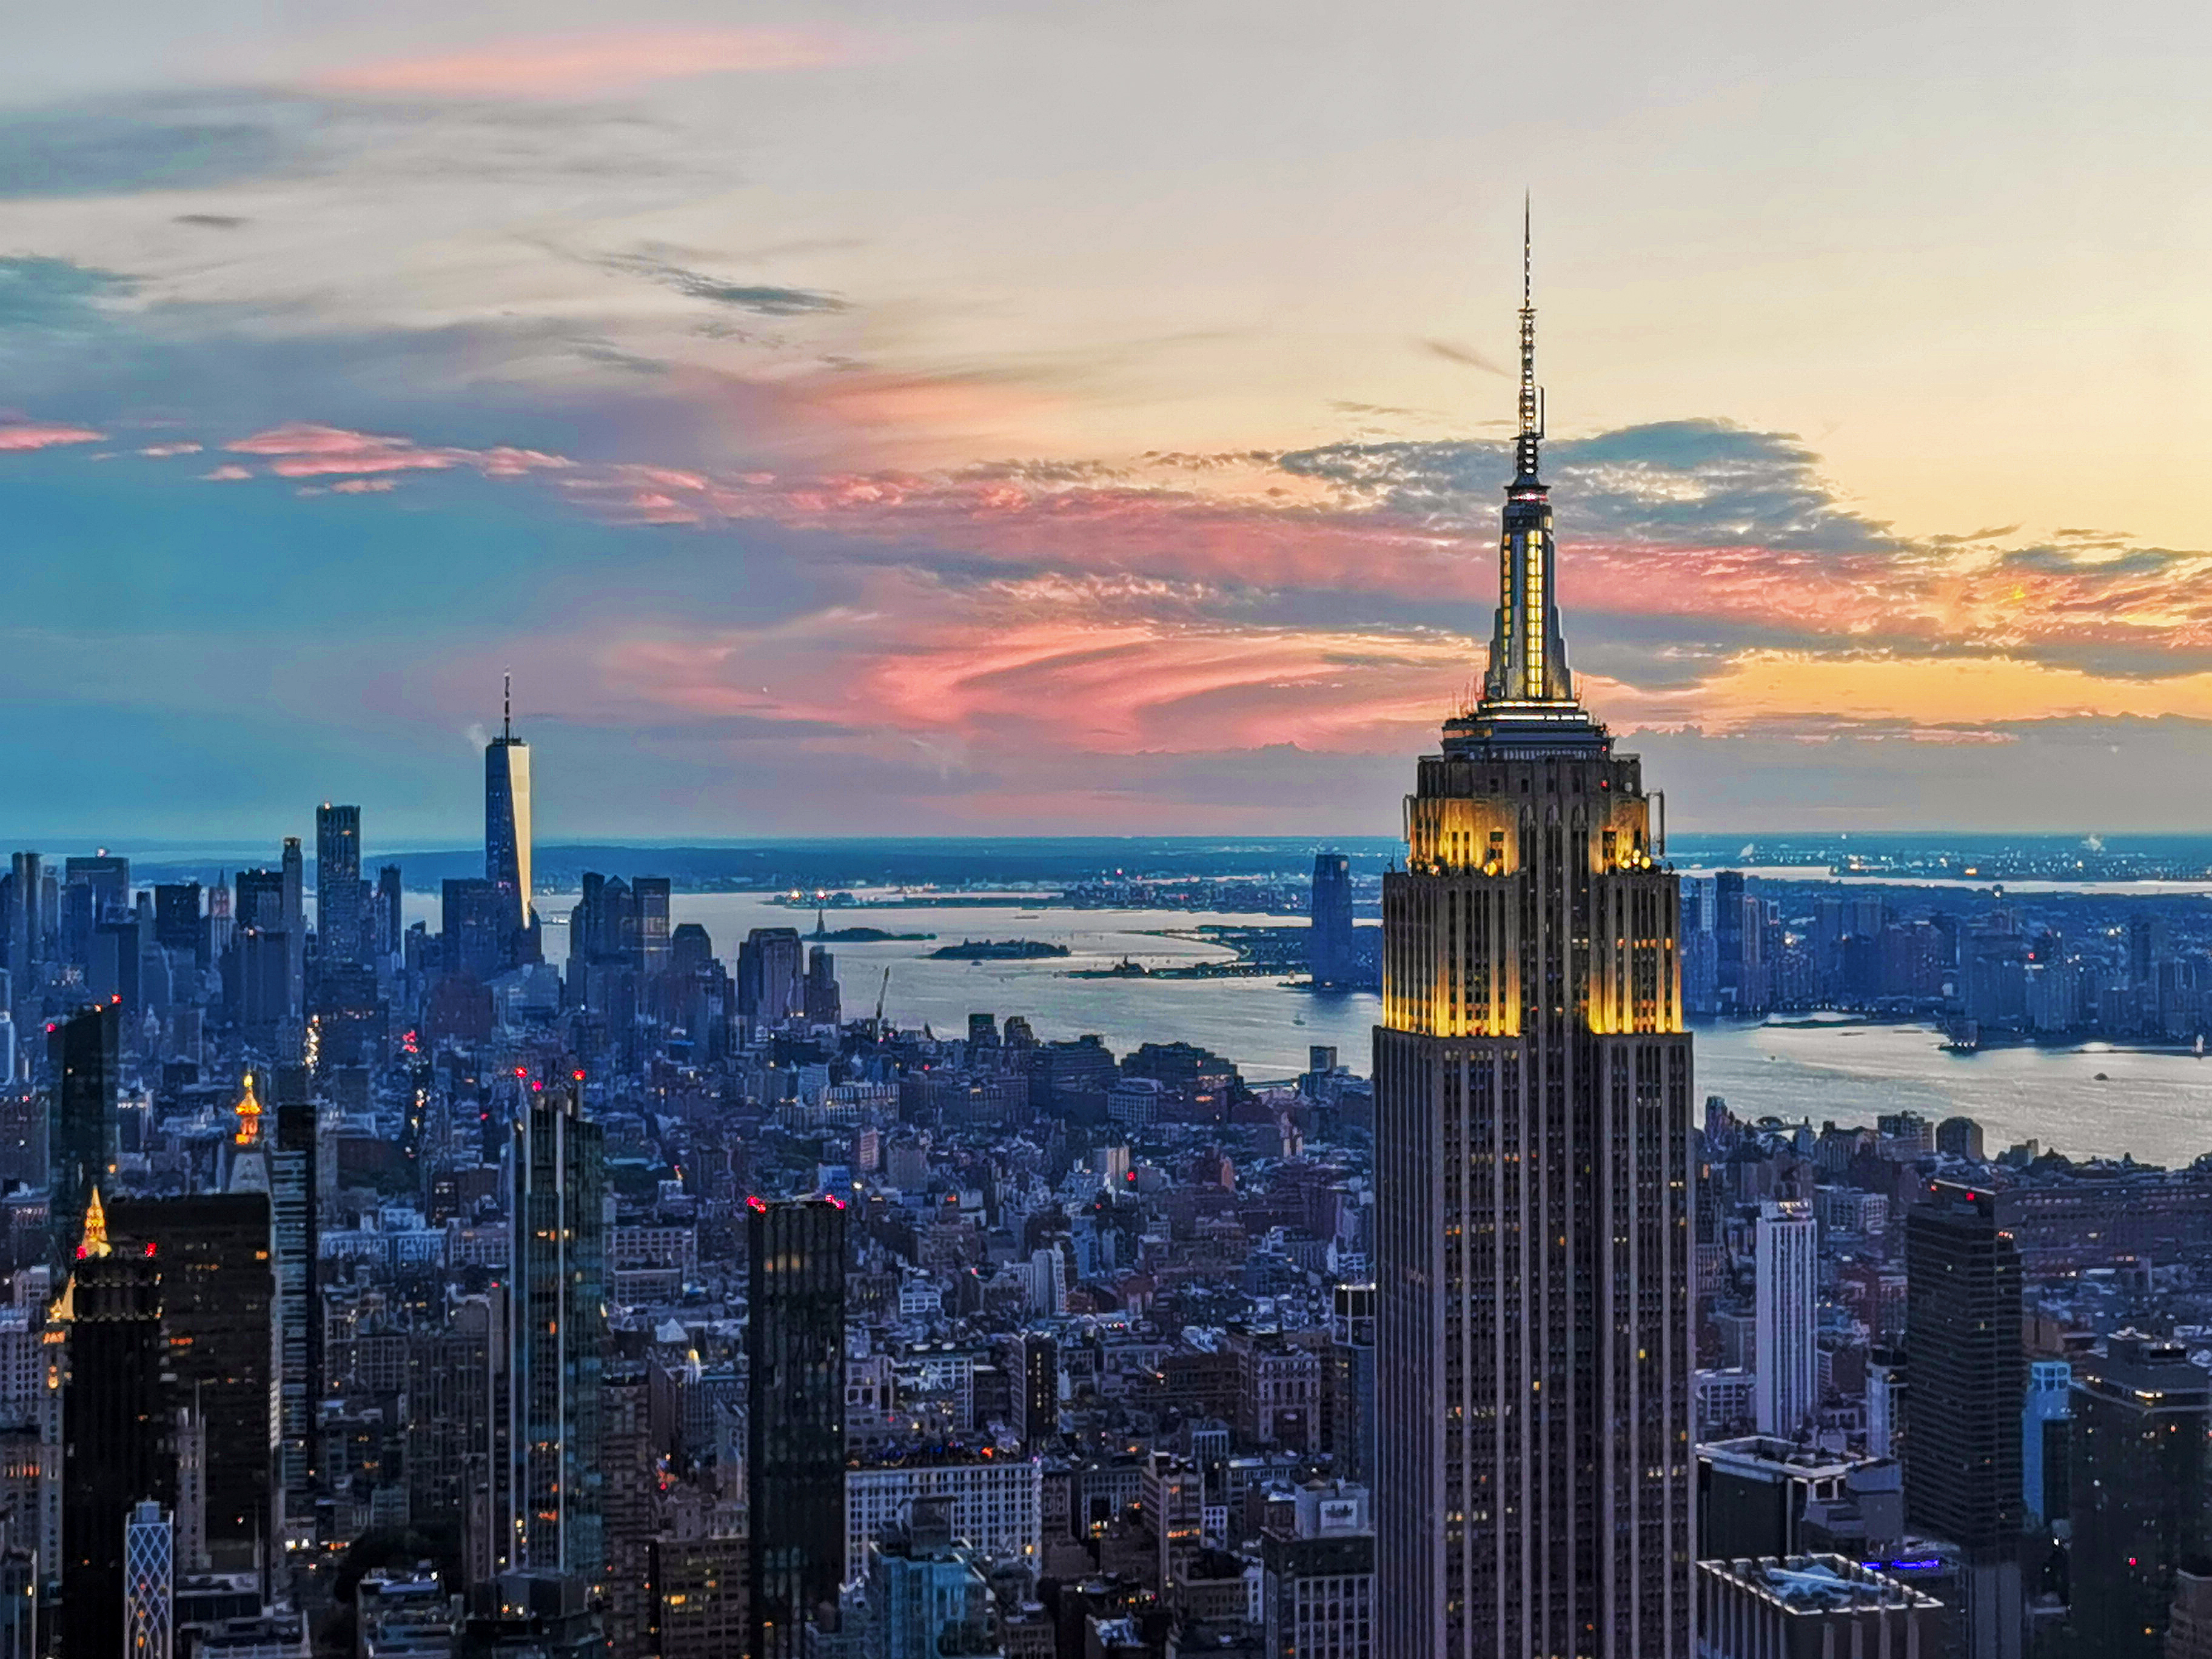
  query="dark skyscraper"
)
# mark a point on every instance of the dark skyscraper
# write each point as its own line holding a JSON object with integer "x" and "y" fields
{"x": 115, "y": 1427}
{"x": 292, "y": 873}
{"x": 1532, "y": 1098}
{"x": 218, "y": 1293}
{"x": 260, "y": 901}
{"x": 506, "y": 824}
{"x": 473, "y": 925}
{"x": 1728, "y": 939}
{"x": 256, "y": 985}
{"x": 83, "y": 1052}
{"x": 1331, "y": 942}
{"x": 107, "y": 876}
{"x": 258, "y": 977}
{"x": 556, "y": 1521}
{"x": 1962, "y": 1448}
{"x": 2142, "y": 1414}
{"x": 824, "y": 1003}
{"x": 795, "y": 1454}
{"x": 340, "y": 901}
{"x": 292, "y": 1180}
{"x": 178, "y": 927}
{"x": 389, "y": 923}
{"x": 25, "y": 918}
{"x": 771, "y": 975}
{"x": 651, "y": 893}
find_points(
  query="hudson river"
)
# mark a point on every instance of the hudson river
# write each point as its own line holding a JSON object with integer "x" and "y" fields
{"x": 2156, "y": 1105}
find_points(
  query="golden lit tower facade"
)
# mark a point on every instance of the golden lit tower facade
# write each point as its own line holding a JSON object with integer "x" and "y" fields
{"x": 1532, "y": 1086}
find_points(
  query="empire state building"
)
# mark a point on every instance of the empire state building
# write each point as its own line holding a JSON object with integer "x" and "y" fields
{"x": 1532, "y": 1086}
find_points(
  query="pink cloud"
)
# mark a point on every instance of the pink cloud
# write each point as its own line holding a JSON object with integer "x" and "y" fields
{"x": 26, "y": 436}
{"x": 229, "y": 472}
{"x": 1011, "y": 667}
{"x": 308, "y": 449}
{"x": 582, "y": 65}
{"x": 1120, "y": 632}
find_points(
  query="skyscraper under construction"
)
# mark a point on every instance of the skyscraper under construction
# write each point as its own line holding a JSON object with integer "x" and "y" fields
{"x": 1533, "y": 1096}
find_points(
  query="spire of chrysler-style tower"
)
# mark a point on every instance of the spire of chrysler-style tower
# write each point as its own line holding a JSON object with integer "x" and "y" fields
{"x": 1528, "y": 679}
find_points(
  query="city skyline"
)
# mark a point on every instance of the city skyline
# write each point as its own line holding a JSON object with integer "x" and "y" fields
{"x": 808, "y": 490}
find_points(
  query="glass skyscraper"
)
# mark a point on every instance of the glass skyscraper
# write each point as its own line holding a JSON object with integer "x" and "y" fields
{"x": 1532, "y": 1085}
{"x": 507, "y": 822}
{"x": 1330, "y": 938}
{"x": 556, "y": 1523}
{"x": 341, "y": 899}
{"x": 795, "y": 1455}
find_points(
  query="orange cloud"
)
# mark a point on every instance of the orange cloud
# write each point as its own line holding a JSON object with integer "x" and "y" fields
{"x": 584, "y": 65}
{"x": 1949, "y": 690}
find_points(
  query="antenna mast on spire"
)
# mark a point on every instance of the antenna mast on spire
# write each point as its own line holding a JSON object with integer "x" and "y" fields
{"x": 1532, "y": 400}
{"x": 506, "y": 704}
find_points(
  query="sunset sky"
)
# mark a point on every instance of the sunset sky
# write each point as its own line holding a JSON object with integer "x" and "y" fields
{"x": 1074, "y": 418}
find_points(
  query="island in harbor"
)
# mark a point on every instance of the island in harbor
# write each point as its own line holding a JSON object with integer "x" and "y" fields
{"x": 862, "y": 935}
{"x": 997, "y": 950}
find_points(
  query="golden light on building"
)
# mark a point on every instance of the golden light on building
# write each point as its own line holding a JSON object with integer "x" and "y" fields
{"x": 94, "y": 1242}
{"x": 249, "y": 1116}
{"x": 1531, "y": 1100}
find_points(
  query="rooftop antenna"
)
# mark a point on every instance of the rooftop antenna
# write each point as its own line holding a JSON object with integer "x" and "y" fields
{"x": 1532, "y": 400}
{"x": 506, "y": 705}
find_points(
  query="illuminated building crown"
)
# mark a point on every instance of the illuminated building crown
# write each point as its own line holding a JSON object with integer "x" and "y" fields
{"x": 249, "y": 1116}
{"x": 95, "y": 1230}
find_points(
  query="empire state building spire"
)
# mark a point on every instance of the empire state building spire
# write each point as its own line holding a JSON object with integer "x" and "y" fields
{"x": 1528, "y": 679}
{"x": 1532, "y": 395}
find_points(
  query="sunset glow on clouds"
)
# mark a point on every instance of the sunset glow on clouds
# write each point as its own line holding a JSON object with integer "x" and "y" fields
{"x": 1053, "y": 423}
{"x": 586, "y": 65}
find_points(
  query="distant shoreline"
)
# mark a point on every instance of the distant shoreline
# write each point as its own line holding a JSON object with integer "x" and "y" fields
{"x": 2062, "y": 1043}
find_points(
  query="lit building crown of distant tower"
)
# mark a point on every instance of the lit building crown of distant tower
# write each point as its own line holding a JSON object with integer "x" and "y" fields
{"x": 249, "y": 1116}
{"x": 1535, "y": 1333}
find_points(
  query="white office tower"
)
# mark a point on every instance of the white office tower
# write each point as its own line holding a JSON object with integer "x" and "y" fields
{"x": 1788, "y": 1260}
